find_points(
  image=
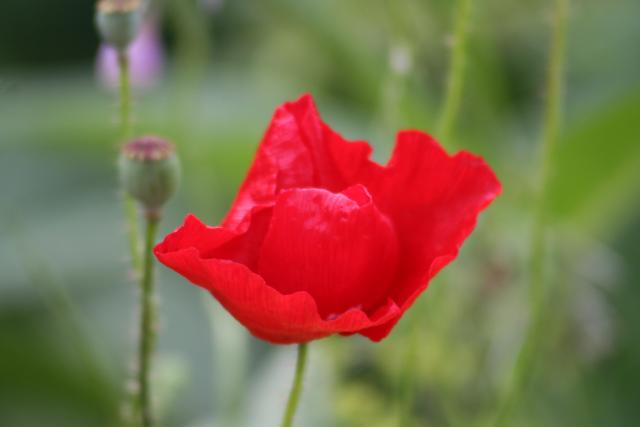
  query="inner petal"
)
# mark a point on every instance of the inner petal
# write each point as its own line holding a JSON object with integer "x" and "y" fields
{"x": 243, "y": 248}
{"x": 337, "y": 247}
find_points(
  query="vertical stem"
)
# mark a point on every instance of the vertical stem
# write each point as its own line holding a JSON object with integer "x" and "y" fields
{"x": 147, "y": 324}
{"x": 194, "y": 46}
{"x": 126, "y": 130}
{"x": 455, "y": 79}
{"x": 554, "y": 91}
{"x": 131, "y": 218}
{"x": 449, "y": 112}
{"x": 294, "y": 396}
{"x": 400, "y": 62}
{"x": 407, "y": 389}
{"x": 125, "y": 94}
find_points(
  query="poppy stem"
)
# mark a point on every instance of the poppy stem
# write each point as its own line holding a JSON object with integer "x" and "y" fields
{"x": 294, "y": 396}
{"x": 457, "y": 65}
{"x": 407, "y": 385}
{"x": 125, "y": 94}
{"x": 126, "y": 129}
{"x": 147, "y": 325}
{"x": 528, "y": 352}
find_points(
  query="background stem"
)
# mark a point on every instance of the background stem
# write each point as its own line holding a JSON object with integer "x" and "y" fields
{"x": 126, "y": 129}
{"x": 147, "y": 325}
{"x": 527, "y": 354}
{"x": 449, "y": 112}
{"x": 455, "y": 78}
{"x": 294, "y": 396}
{"x": 126, "y": 121}
{"x": 131, "y": 218}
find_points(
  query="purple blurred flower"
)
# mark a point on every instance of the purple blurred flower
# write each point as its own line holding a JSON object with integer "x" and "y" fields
{"x": 146, "y": 56}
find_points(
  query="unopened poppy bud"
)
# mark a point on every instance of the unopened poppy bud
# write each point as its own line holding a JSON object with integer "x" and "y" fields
{"x": 150, "y": 172}
{"x": 119, "y": 21}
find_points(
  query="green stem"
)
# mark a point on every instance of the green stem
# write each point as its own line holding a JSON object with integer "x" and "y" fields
{"x": 147, "y": 325}
{"x": 457, "y": 65}
{"x": 449, "y": 112}
{"x": 126, "y": 130}
{"x": 294, "y": 396}
{"x": 407, "y": 389}
{"x": 126, "y": 121}
{"x": 131, "y": 218}
{"x": 527, "y": 355}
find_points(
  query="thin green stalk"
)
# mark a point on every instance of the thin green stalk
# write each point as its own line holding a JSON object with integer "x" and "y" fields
{"x": 126, "y": 121}
{"x": 527, "y": 355}
{"x": 126, "y": 129}
{"x": 399, "y": 69}
{"x": 449, "y": 112}
{"x": 147, "y": 325}
{"x": 294, "y": 396}
{"x": 407, "y": 389}
{"x": 194, "y": 46}
{"x": 457, "y": 64}
{"x": 131, "y": 218}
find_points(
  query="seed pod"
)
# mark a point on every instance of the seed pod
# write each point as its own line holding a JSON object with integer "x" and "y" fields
{"x": 119, "y": 21}
{"x": 149, "y": 171}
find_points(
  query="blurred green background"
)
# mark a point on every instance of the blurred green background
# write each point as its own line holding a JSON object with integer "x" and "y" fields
{"x": 66, "y": 301}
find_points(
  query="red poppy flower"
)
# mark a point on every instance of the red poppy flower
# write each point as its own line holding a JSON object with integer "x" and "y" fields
{"x": 322, "y": 240}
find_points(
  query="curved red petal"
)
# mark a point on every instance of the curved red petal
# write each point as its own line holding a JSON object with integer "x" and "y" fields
{"x": 337, "y": 247}
{"x": 221, "y": 243}
{"x": 267, "y": 313}
{"x": 298, "y": 150}
{"x": 433, "y": 200}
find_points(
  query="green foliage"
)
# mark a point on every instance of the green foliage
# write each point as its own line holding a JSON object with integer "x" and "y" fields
{"x": 597, "y": 167}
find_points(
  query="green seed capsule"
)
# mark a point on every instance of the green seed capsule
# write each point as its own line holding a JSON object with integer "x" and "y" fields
{"x": 119, "y": 21}
{"x": 149, "y": 171}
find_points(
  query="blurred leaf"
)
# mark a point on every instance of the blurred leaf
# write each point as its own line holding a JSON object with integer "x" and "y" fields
{"x": 43, "y": 383}
{"x": 597, "y": 167}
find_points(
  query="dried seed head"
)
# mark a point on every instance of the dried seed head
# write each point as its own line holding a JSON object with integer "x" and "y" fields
{"x": 149, "y": 171}
{"x": 112, "y": 6}
{"x": 119, "y": 21}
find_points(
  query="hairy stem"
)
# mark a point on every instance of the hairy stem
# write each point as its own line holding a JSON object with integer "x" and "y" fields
{"x": 147, "y": 325}
{"x": 126, "y": 130}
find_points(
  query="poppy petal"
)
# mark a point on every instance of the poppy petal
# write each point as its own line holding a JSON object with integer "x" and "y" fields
{"x": 298, "y": 150}
{"x": 219, "y": 242}
{"x": 267, "y": 313}
{"x": 337, "y": 247}
{"x": 436, "y": 209}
